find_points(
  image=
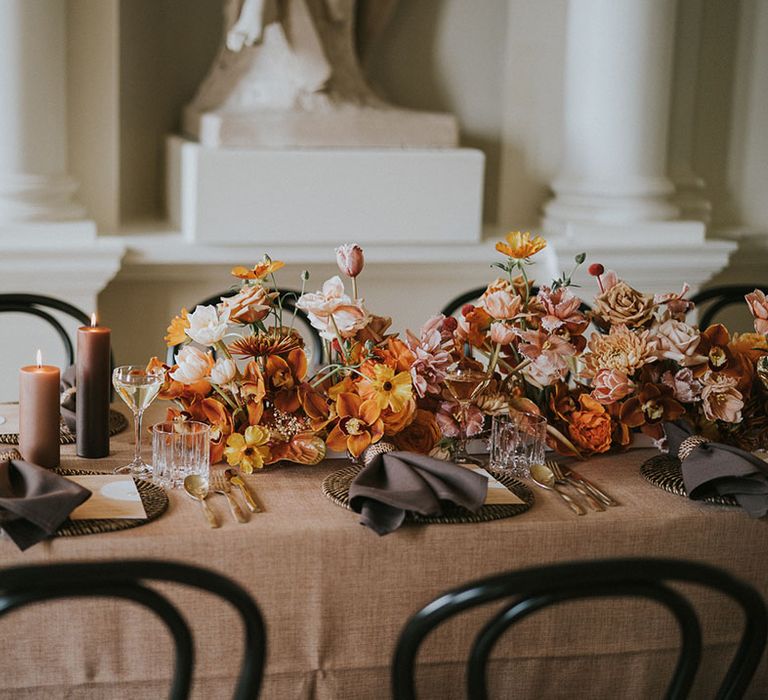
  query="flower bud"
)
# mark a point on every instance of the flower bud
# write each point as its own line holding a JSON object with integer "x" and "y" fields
{"x": 349, "y": 258}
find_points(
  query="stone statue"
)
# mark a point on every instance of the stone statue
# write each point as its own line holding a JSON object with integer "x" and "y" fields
{"x": 288, "y": 74}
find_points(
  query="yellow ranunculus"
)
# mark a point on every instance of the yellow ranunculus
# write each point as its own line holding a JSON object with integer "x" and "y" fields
{"x": 388, "y": 389}
{"x": 249, "y": 451}
{"x": 519, "y": 245}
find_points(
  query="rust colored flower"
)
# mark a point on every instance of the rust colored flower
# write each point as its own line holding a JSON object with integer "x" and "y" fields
{"x": 395, "y": 421}
{"x": 284, "y": 375}
{"x": 397, "y": 355}
{"x": 177, "y": 330}
{"x": 649, "y": 408}
{"x": 473, "y": 325}
{"x": 276, "y": 341}
{"x": 590, "y": 426}
{"x": 316, "y": 407}
{"x": 252, "y": 303}
{"x": 421, "y": 435}
{"x": 621, "y": 350}
{"x": 359, "y": 425}
{"x": 305, "y": 448}
{"x": 620, "y": 304}
{"x": 259, "y": 271}
{"x": 520, "y": 245}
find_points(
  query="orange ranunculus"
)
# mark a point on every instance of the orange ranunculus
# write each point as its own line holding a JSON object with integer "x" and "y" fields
{"x": 395, "y": 421}
{"x": 421, "y": 435}
{"x": 284, "y": 377}
{"x": 520, "y": 245}
{"x": 359, "y": 425}
{"x": 259, "y": 271}
{"x": 397, "y": 355}
{"x": 177, "y": 330}
{"x": 590, "y": 427}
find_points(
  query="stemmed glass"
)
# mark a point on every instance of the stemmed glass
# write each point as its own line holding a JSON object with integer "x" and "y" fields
{"x": 138, "y": 387}
{"x": 465, "y": 385}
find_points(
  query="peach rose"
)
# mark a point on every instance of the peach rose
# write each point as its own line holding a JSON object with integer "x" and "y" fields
{"x": 421, "y": 435}
{"x": 758, "y": 305}
{"x": 590, "y": 427}
{"x": 252, "y": 303}
{"x": 502, "y": 304}
{"x": 676, "y": 340}
{"x": 611, "y": 385}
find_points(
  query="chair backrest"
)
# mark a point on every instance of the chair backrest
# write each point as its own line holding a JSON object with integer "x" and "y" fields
{"x": 23, "y": 585}
{"x": 532, "y": 589}
{"x": 38, "y": 305}
{"x": 288, "y": 298}
{"x": 474, "y": 294}
{"x": 712, "y": 301}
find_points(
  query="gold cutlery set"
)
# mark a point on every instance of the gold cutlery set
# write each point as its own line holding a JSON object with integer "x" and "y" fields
{"x": 221, "y": 482}
{"x": 554, "y": 477}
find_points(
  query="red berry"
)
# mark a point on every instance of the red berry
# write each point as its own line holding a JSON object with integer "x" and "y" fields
{"x": 450, "y": 324}
{"x": 596, "y": 269}
{"x": 467, "y": 309}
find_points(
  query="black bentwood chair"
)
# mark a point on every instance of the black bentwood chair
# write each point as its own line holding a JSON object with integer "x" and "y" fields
{"x": 530, "y": 590}
{"x": 23, "y": 585}
{"x": 715, "y": 299}
{"x": 288, "y": 299}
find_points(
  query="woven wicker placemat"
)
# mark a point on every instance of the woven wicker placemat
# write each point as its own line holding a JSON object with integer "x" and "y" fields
{"x": 664, "y": 471}
{"x": 153, "y": 497}
{"x": 117, "y": 423}
{"x": 336, "y": 487}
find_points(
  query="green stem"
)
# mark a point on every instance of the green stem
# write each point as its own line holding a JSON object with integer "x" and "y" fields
{"x": 340, "y": 339}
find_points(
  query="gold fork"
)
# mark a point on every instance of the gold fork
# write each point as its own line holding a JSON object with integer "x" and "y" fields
{"x": 561, "y": 478}
{"x": 220, "y": 484}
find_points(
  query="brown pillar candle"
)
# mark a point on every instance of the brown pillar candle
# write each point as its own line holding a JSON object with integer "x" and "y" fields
{"x": 39, "y": 414}
{"x": 93, "y": 390}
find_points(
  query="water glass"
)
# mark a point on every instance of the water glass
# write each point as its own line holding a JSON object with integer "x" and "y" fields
{"x": 180, "y": 448}
{"x": 517, "y": 442}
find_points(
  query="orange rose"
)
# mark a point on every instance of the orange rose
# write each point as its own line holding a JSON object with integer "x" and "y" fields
{"x": 590, "y": 428}
{"x": 395, "y": 422}
{"x": 421, "y": 435}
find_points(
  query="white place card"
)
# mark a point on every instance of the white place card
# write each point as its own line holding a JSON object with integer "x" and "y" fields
{"x": 497, "y": 492}
{"x": 112, "y": 496}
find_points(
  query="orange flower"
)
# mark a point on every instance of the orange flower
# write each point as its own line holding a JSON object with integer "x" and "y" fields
{"x": 259, "y": 271}
{"x": 359, "y": 425}
{"x": 473, "y": 325}
{"x": 316, "y": 407}
{"x": 397, "y": 355}
{"x": 421, "y": 435}
{"x": 177, "y": 330}
{"x": 395, "y": 421}
{"x": 520, "y": 246}
{"x": 590, "y": 428}
{"x": 649, "y": 408}
{"x": 284, "y": 377}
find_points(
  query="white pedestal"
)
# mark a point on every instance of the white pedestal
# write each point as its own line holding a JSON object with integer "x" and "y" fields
{"x": 318, "y": 196}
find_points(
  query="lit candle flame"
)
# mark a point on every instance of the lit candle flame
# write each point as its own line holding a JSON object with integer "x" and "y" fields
{"x": 93, "y": 319}
{"x": 39, "y": 358}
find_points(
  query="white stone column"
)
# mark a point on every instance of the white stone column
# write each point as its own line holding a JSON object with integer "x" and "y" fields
{"x": 34, "y": 184}
{"x": 616, "y": 113}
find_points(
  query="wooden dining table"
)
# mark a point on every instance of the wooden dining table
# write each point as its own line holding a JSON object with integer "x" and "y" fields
{"x": 335, "y": 595}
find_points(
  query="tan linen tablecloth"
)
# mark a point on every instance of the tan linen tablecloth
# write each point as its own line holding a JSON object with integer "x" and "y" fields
{"x": 335, "y": 596}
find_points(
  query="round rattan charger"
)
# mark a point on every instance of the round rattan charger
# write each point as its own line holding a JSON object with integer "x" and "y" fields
{"x": 664, "y": 472}
{"x": 336, "y": 487}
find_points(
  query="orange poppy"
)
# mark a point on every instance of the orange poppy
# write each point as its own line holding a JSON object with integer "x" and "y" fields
{"x": 520, "y": 246}
{"x": 259, "y": 271}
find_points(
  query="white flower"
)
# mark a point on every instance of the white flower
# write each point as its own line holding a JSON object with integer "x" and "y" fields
{"x": 223, "y": 371}
{"x": 332, "y": 305}
{"x": 193, "y": 365}
{"x": 207, "y": 325}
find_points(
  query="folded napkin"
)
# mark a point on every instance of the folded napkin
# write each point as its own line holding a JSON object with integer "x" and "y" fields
{"x": 68, "y": 397}
{"x": 715, "y": 469}
{"x": 35, "y": 501}
{"x": 394, "y": 482}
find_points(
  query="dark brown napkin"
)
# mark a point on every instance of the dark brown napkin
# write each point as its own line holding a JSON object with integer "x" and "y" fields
{"x": 35, "y": 501}
{"x": 395, "y": 482}
{"x": 716, "y": 469}
{"x": 68, "y": 397}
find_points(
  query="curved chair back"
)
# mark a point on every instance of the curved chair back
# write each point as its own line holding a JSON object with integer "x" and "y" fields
{"x": 23, "y": 585}
{"x": 38, "y": 305}
{"x": 533, "y": 589}
{"x": 715, "y": 299}
{"x": 288, "y": 298}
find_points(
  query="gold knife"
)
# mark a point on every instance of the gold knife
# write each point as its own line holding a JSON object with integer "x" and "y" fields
{"x": 604, "y": 497}
{"x": 237, "y": 480}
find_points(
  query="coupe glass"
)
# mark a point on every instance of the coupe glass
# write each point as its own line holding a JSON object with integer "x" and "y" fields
{"x": 138, "y": 387}
{"x": 465, "y": 385}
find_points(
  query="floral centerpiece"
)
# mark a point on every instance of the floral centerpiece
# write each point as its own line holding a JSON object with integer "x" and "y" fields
{"x": 599, "y": 373}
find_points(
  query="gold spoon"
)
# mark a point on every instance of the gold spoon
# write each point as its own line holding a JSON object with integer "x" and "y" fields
{"x": 197, "y": 488}
{"x": 544, "y": 477}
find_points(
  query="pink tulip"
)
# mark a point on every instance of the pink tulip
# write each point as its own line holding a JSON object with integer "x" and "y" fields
{"x": 350, "y": 259}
